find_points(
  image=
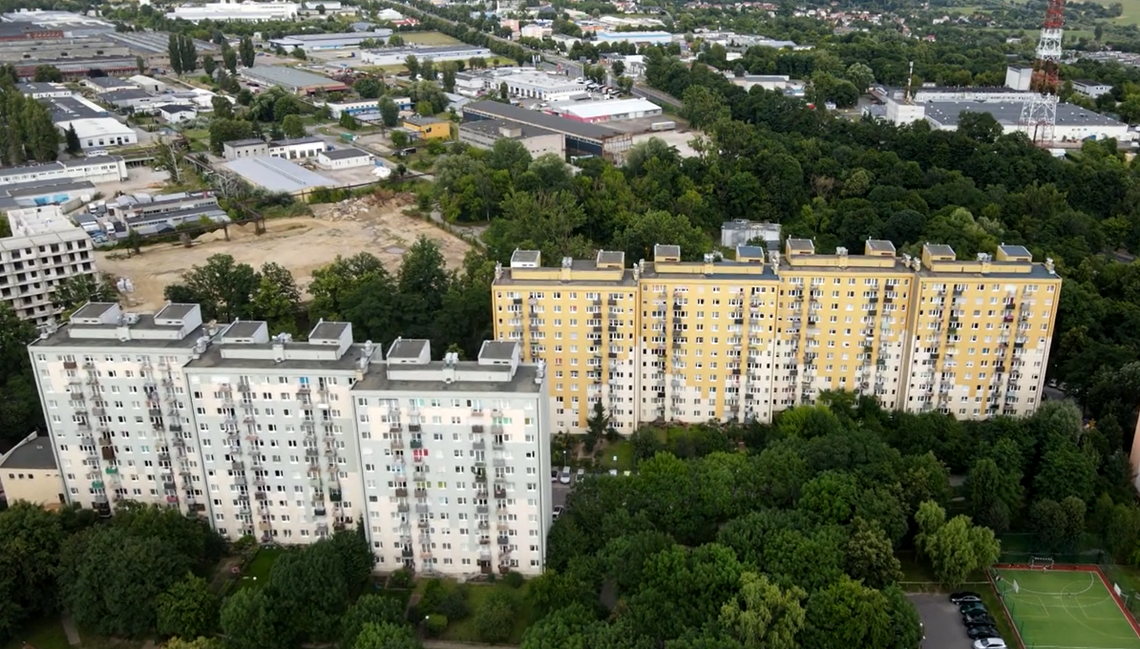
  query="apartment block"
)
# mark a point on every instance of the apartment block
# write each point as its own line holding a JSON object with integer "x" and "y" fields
{"x": 45, "y": 249}
{"x": 742, "y": 339}
{"x": 288, "y": 441}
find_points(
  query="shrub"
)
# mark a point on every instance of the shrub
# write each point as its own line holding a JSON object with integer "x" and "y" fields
{"x": 496, "y": 617}
{"x": 402, "y": 578}
{"x": 435, "y": 624}
{"x": 514, "y": 579}
{"x": 454, "y": 604}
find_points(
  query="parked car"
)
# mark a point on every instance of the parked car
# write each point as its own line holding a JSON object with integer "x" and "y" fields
{"x": 979, "y": 632}
{"x": 989, "y": 643}
{"x": 978, "y": 618}
{"x": 564, "y": 477}
{"x": 581, "y": 474}
{"x": 971, "y": 607}
{"x": 554, "y": 475}
{"x": 965, "y": 596}
{"x": 558, "y": 512}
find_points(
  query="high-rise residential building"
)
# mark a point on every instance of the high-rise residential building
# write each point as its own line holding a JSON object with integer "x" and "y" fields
{"x": 288, "y": 441}
{"x": 44, "y": 249}
{"x": 743, "y": 339}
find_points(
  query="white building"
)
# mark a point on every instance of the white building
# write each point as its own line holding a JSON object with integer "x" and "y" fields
{"x": 43, "y": 90}
{"x": 397, "y": 55}
{"x": 739, "y": 232}
{"x": 612, "y": 110}
{"x": 637, "y": 38}
{"x": 45, "y": 249}
{"x": 288, "y": 442}
{"x": 1091, "y": 89}
{"x": 100, "y": 132}
{"x": 303, "y": 147}
{"x": 344, "y": 158}
{"x": 98, "y": 169}
{"x": 535, "y": 30}
{"x": 177, "y": 113}
{"x": 540, "y": 85}
{"x": 245, "y": 12}
{"x": 389, "y": 15}
{"x": 484, "y": 133}
{"x": 1018, "y": 77}
{"x": 149, "y": 84}
{"x": 1073, "y": 122}
{"x": 101, "y": 85}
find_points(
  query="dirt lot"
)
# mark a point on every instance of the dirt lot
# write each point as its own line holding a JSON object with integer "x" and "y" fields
{"x": 301, "y": 244}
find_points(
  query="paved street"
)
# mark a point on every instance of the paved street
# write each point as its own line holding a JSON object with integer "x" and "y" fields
{"x": 560, "y": 493}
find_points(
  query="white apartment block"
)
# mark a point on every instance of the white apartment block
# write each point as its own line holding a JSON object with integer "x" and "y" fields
{"x": 289, "y": 441}
{"x": 44, "y": 250}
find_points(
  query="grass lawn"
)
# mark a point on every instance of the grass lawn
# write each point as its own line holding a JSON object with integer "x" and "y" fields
{"x": 623, "y": 450}
{"x": 257, "y": 572}
{"x": 41, "y": 634}
{"x": 1061, "y": 608}
{"x": 1131, "y": 15}
{"x": 428, "y": 38}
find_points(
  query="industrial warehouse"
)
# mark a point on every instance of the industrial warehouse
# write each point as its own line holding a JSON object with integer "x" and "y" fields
{"x": 581, "y": 139}
{"x": 294, "y": 80}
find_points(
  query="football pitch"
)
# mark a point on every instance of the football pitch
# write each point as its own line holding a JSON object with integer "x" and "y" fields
{"x": 1065, "y": 609}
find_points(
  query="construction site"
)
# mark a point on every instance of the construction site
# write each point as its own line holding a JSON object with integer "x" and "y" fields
{"x": 300, "y": 244}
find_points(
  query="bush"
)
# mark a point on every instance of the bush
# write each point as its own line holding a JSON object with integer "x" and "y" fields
{"x": 402, "y": 578}
{"x": 454, "y": 604}
{"x": 514, "y": 579}
{"x": 435, "y": 624}
{"x": 433, "y": 595}
{"x": 496, "y": 617}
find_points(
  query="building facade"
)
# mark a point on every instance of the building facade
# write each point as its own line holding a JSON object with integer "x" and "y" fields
{"x": 290, "y": 441}
{"x": 28, "y": 472}
{"x": 745, "y": 339}
{"x": 45, "y": 249}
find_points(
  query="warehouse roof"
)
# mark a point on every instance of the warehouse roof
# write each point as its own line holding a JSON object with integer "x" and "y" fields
{"x": 277, "y": 174}
{"x": 1009, "y": 113}
{"x": 290, "y": 77}
{"x": 344, "y": 154}
{"x": 542, "y": 120}
{"x": 591, "y": 109}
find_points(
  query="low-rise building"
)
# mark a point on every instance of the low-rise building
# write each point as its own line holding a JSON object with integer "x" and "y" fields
{"x": 344, "y": 158}
{"x": 324, "y": 42}
{"x": 544, "y": 86}
{"x": 294, "y": 80}
{"x": 277, "y": 174}
{"x": 365, "y": 108}
{"x": 612, "y": 110}
{"x": 107, "y": 84}
{"x": 742, "y": 232}
{"x": 437, "y": 54}
{"x": 133, "y": 100}
{"x": 297, "y": 148}
{"x": 176, "y": 113}
{"x": 45, "y": 249}
{"x": 470, "y": 85}
{"x": 254, "y": 12}
{"x": 98, "y": 169}
{"x": 147, "y": 214}
{"x": 428, "y": 128}
{"x": 100, "y": 132}
{"x": 1091, "y": 89}
{"x": 637, "y": 38}
{"x": 538, "y": 141}
{"x": 43, "y": 90}
{"x": 29, "y": 473}
{"x": 149, "y": 84}
{"x": 581, "y": 139}
{"x": 251, "y": 148}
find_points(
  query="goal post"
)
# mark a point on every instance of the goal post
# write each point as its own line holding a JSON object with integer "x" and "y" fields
{"x": 1041, "y": 563}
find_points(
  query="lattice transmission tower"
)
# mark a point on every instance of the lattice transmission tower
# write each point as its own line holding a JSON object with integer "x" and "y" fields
{"x": 1039, "y": 113}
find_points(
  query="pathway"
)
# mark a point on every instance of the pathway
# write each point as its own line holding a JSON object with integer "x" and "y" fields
{"x": 69, "y": 629}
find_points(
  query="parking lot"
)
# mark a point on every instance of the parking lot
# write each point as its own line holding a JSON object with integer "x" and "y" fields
{"x": 941, "y": 620}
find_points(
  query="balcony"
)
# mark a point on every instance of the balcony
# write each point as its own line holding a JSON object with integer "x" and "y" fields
{"x": 417, "y": 443}
{"x": 403, "y": 508}
{"x": 421, "y": 493}
{"x": 479, "y": 445}
{"x": 481, "y": 509}
{"x": 401, "y": 492}
{"x": 421, "y": 509}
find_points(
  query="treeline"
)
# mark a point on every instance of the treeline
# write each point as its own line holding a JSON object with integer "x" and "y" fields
{"x": 801, "y": 523}
{"x": 423, "y": 299}
{"x": 839, "y": 182}
{"x": 27, "y": 133}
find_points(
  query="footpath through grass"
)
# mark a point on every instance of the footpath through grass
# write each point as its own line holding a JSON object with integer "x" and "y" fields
{"x": 256, "y": 574}
{"x": 45, "y": 633}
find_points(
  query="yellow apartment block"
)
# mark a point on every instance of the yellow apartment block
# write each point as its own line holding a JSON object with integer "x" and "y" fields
{"x": 744, "y": 339}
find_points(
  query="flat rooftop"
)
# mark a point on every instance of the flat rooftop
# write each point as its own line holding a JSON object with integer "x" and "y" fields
{"x": 523, "y": 380}
{"x": 592, "y": 109}
{"x": 498, "y": 350}
{"x": 1008, "y": 113}
{"x": 345, "y": 154}
{"x": 244, "y": 328}
{"x": 212, "y": 358}
{"x": 61, "y": 339}
{"x": 291, "y": 77}
{"x": 277, "y": 174}
{"x": 495, "y": 127}
{"x": 405, "y": 349}
{"x": 542, "y": 120}
{"x": 328, "y": 331}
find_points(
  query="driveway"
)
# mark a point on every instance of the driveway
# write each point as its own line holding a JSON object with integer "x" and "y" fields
{"x": 943, "y": 625}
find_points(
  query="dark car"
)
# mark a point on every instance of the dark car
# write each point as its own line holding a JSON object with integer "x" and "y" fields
{"x": 965, "y": 596}
{"x": 974, "y": 619}
{"x": 979, "y": 632}
{"x": 971, "y": 607}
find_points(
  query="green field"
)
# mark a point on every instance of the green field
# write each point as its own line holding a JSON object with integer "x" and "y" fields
{"x": 1061, "y": 609}
{"x": 256, "y": 574}
{"x": 42, "y": 634}
{"x": 427, "y": 38}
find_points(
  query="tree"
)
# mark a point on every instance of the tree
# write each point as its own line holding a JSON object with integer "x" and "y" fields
{"x": 1058, "y": 526}
{"x": 395, "y": 40}
{"x": 110, "y": 580}
{"x": 249, "y": 621}
{"x": 140, "y": 64}
{"x": 332, "y": 283}
{"x": 170, "y": 159}
{"x": 399, "y": 139}
{"x": 870, "y": 557}
{"x": 422, "y": 283}
{"x": 77, "y": 290}
{"x": 174, "y": 53}
{"x": 246, "y": 52}
{"x": 993, "y": 494}
{"x": 389, "y": 112}
{"x": 230, "y": 59}
{"x": 1065, "y": 471}
{"x": 847, "y": 614}
{"x": 209, "y": 65}
{"x": 979, "y": 126}
{"x": 955, "y": 548}
{"x": 495, "y": 616}
{"x": 413, "y": 65}
{"x": 448, "y": 72}
{"x": 762, "y": 616}
{"x": 223, "y": 109}
{"x": 197, "y": 643}
{"x": 640, "y": 235}
{"x": 617, "y": 68}
{"x": 222, "y": 286}
{"x": 187, "y": 53}
{"x": 30, "y": 541}
{"x": 386, "y": 636}
{"x": 292, "y": 126}
{"x": 703, "y": 107}
{"x": 277, "y": 300}
{"x": 347, "y": 121}
{"x": 20, "y": 413}
{"x": 71, "y": 139}
{"x": 188, "y": 608}
{"x": 509, "y": 155}
{"x": 596, "y": 425}
{"x": 368, "y": 87}
{"x": 228, "y": 130}
{"x": 298, "y": 53}
{"x": 861, "y": 75}
{"x": 369, "y": 609}
{"x": 47, "y": 73}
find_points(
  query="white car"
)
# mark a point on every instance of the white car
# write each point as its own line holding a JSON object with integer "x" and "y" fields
{"x": 989, "y": 643}
{"x": 564, "y": 477}
{"x": 558, "y": 512}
